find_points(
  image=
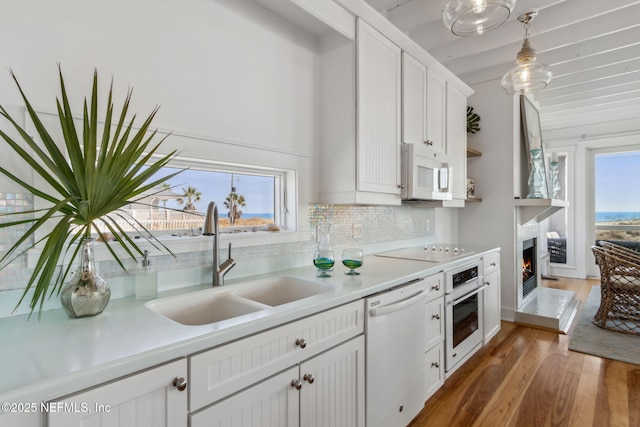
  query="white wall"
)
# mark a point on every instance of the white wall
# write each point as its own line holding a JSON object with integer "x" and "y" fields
{"x": 225, "y": 70}
{"x": 491, "y": 222}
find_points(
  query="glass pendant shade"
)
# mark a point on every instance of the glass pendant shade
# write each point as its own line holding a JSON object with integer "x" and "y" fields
{"x": 475, "y": 17}
{"x": 528, "y": 75}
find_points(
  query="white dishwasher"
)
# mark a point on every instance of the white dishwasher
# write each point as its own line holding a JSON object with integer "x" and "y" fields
{"x": 395, "y": 341}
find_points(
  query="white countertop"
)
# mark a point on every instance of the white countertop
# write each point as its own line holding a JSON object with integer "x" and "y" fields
{"x": 46, "y": 359}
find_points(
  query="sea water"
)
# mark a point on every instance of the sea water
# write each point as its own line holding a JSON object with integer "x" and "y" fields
{"x": 617, "y": 216}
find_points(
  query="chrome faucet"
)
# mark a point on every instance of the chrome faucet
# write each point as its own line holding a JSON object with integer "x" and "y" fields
{"x": 211, "y": 228}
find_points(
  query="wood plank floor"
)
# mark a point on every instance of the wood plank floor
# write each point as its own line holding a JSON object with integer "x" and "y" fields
{"x": 528, "y": 377}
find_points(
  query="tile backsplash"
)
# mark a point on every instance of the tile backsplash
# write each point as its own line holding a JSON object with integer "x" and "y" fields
{"x": 380, "y": 224}
{"x": 16, "y": 274}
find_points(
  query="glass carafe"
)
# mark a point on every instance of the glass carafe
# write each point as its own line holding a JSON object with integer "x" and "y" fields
{"x": 323, "y": 257}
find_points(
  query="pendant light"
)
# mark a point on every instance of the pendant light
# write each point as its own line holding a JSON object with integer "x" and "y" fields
{"x": 528, "y": 76}
{"x": 475, "y": 17}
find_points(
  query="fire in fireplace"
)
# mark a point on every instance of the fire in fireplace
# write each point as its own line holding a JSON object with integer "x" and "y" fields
{"x": 529, "y": 274}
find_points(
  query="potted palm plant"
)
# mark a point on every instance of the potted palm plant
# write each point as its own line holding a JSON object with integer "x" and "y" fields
{"x": 93, "y": 175}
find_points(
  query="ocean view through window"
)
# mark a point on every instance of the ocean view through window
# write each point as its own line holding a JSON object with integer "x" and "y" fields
{"x": 617, "y": 196}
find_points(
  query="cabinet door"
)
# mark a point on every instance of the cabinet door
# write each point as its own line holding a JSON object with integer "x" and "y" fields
{"x": 414, "y": 100}
{"x": 332, "y": 392}
{"x": 434, "y": 365}
{"x": 378, "y": 100}
{"x": 436, "y": 113}
{"x": 491, "y": 305}
{"x": 457, "y": 141}
{"x": 271, "y": 403}
{"x": 434, "y": 322}
{"x": 145, "y": 399}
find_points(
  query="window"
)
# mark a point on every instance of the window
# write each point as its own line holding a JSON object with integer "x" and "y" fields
{"x": 617, "y": 198}
{"x": 248, "y": 199}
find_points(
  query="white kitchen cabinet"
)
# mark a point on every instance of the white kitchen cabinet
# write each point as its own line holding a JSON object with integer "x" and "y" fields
{"x": 271, "y": 403}
{"x": 434, "y": 336}
{"x": 156, "y": 398}
{"x": 457, "y": 141}
{"x": 360, "y": 113}
{"x": 491, "y": 295}
{"x": 22, "y": 418}
{"x": 224, "y": 370}
{"x": 332, "y": 392}
{"x": 378, "y": 117}
{"x": 326, "y": 390}
{"x": 423, "y": 107}
{"x": 437, "y": 140}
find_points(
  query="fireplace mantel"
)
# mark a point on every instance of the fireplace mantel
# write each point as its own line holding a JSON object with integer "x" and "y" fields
{"x": 537, "y": 209}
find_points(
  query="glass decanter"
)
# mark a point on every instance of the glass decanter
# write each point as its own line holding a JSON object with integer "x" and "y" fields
{"x": 323, "y": 257}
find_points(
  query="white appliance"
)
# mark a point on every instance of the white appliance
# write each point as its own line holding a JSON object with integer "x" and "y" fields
{"x": 395, "y": 355}
{"x": 463, "y": 313}
{"x": 423, "y": 177}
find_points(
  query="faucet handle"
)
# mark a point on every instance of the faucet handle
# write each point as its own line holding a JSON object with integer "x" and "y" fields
{"x": 229, "y": 250}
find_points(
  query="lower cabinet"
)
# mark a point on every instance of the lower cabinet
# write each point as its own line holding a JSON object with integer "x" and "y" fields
{"x": 156, "y": 398}
{"x": 434, "y": 344}
{"x": 326, "y": 390}
{"x": 491, "y": 294}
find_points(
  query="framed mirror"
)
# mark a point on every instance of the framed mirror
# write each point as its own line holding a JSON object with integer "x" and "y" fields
{"x": 530, "y": 118}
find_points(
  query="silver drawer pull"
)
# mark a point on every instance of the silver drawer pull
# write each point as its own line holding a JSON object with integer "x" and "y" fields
{"x": 436, "y": 316}
{"x": 297, "y": 384}
{"x": 180, "y": 383}
{"x": 435, "y": 365}
{"x": 309, "y": 378}
{"x": 301, "y": 342}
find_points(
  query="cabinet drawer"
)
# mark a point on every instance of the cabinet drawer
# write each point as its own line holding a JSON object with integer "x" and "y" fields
{"x": 434, "y": 323}
{"x": 435, "y": 285}
{"x": 218, "y": 372}
{"x": 491, "y": 262}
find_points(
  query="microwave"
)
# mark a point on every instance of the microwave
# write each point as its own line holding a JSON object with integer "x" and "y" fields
{"x": 423, "y": 177}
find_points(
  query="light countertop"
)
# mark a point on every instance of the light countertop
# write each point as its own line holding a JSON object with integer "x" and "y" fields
{"x": 47, "y": 359}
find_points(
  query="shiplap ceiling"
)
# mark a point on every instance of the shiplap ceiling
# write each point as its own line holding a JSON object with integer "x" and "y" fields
{"x": 592, "y": 47}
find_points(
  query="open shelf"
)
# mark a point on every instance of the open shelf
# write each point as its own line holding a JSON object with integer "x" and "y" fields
{"x": 473, "y": 152}
{"x": 537, "y": 209}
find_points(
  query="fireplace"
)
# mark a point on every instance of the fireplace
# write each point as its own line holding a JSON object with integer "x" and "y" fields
{"x": 529, "y": 266}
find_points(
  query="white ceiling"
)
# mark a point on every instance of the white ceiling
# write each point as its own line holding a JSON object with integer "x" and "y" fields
{"x": 592, "y": 47}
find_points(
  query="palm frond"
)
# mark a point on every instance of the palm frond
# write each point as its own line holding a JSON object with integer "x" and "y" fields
{"x": 100, "y": 174}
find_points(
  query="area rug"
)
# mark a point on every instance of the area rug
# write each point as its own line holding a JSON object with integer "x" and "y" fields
{"x": 590, "y": 339}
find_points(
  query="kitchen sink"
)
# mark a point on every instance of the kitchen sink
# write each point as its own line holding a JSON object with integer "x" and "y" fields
{"x": 203, "y": 307}
{"x": 281, "y": 290}
{"x": 233, "y": 301}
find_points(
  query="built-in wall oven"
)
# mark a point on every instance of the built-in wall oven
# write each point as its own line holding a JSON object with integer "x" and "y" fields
{"x": 464, "y": 313}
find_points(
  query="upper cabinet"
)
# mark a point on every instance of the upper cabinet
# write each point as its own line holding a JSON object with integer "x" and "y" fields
{"x": 457, "y": 141}
{"x": 360, "y": 113}
{"x": 378, "y": 100}
{"x": 423, "y": 107}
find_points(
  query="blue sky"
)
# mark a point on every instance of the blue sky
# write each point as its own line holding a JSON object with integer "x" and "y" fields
{"x": 216, "y": 186}
{"x": 618, "y": 182}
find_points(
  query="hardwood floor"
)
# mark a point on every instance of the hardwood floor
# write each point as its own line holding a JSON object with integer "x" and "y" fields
{"x": 528, "y": 377}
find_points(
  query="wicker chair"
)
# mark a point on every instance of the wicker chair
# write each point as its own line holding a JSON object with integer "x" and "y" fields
{"x": 621, "y": 251}
{"x": 620, "y": 292}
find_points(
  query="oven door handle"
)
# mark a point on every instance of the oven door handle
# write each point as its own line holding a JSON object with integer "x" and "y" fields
{"x": 464, "y": 297}
{"x": 386, "y": 309}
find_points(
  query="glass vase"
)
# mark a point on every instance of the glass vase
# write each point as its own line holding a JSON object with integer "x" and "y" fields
{"x": 554, "y": 182}
{"x": 323, "y": 257}
{"x": 537, "y": 179}
{"x": 86, "y": 294}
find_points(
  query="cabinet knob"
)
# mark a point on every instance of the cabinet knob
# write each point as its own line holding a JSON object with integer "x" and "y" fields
{"x": 401, "y": 186}
{"x": 297, "y": 384}
{"x": 493, "y": 264}
{"x": 436, "y": 287}
{"x": 487, "y": 283}
{"x": 429, "y": 142}
{"x": 436, "y": 316}
{"x": 435, "y": 365}
{"x": 180, "y": 383}
{"x": 309, "y": 378}
{"x": 301, "y": 342}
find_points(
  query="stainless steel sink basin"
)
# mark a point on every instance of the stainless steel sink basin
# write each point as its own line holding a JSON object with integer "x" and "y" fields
{"x": 233, "y": 301}
{"x": 203, "y": 307}
{"x": 281, "y": 290}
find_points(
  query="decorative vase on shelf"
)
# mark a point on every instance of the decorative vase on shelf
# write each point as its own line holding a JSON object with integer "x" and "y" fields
{"x": 86, "y": 294}
{"x": 554, "y": 183}
{"x": 323, "y": 257}
{"x": 537, "y": 183}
